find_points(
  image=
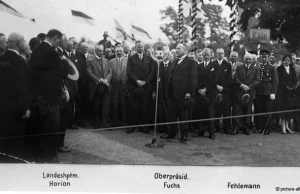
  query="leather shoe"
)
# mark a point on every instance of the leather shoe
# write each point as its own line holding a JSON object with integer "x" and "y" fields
{"x": 258, "y": 131}
{"x": 234, "y": 132}
{"x": 246, "y": 132}
{"x": 183, "y": 139}
{"x": 212, "y": 136}
{"x": 201, "y": 134}
{"x": 64, "y": 149}
{"x": 167, "y": 137}
{"x": 266, "y": 132}
{"x": 129, "y": 130}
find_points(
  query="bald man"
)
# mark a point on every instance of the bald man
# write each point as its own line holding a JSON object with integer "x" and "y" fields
{"x": 181, "y": 86}
{"x": 99, "y": 75}
{"x": 15, "y": 97}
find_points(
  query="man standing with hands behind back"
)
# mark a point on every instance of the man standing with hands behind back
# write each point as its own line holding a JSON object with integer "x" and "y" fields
{"x": 181, "y": 86}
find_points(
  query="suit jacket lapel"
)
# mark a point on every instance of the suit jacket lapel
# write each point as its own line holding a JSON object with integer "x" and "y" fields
{"x": 249, "y": 70}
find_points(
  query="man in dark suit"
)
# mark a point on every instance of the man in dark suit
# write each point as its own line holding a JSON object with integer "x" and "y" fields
{"x": 164, "y": 72}
{"x": 83, "y": 105}
{"x": 206, "y": 87}
{"x": 119, "y": 86}
{"x": 223, "y": 90}
{"x": 266, "y": 90}
{"x": 246, "y": 79}
{"x": 140, "y": 70}
{"x": 71, "y": 84}
{"x": 2, "y": 44}
{"x": 15, "y": 97}
{"x": 99, "y": 74}
{"x": 48, "y": 74}
{"x": 181, "y": 86}
{"x": 106, "y": 43}
{"x": 234, "y": 63}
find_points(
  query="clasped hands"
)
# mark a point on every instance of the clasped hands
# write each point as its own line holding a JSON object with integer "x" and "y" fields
{"x": 104, "y": 81}
{"x": 140, "y": 83}
{"x": 245, "y": 87}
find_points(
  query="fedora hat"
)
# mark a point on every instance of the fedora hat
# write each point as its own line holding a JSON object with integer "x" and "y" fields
{"x": 245, "y": 97}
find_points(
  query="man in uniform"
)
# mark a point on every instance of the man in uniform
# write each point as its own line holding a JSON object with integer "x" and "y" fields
{"x": 106, "y": 43}
{"x": 266, "y": 91}
{"x": 246, "y": 79}
{"x": 181, "y": 86}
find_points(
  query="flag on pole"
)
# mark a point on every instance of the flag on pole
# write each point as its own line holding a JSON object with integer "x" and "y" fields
{"x": 10, "y": 10}
{"x": 140, "y": 32}
{"x": 82, "y": 18}
{"x": 120, "y": 32}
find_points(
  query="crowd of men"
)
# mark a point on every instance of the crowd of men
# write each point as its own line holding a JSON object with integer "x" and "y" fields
{"x": 54, "y": 83}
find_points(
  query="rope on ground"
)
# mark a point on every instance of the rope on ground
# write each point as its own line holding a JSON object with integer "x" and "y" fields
{"x": 158, "y": 124}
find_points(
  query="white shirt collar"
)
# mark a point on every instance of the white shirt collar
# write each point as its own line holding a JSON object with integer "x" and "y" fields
{"x": 86, "y": 54}
{"x": 140, "y": 55}
{"x": 13, "y": 50}
{"x": 220, "y": 61}
{"x": 119, "y": 58}
{"x": 48, "y": 42}
{"x": 166, "y": 62}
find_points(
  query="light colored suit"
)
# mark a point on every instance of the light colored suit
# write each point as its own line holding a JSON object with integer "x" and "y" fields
{"x": 94, "y": 68}
{"x": 113, "y": 66}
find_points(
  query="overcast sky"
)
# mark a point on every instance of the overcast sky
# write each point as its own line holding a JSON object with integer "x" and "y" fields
{"x": 55, "y": 14}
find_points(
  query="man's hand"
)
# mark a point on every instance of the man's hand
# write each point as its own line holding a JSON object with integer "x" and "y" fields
{"x": 139, "y": 82}
{"x": 27, "y": 114}
{"x": 66, "y": 95}
{"x": 143, "y": 83}
{"x": 245, "y": 87}
{"x": 220, "y": 88}
{"x": 272, "y": 96}
{"x": 153, "y": 95}
{"x": 63, "y": 57}
{"x": 105, "y": 81}
{"x": 187, "y": 96}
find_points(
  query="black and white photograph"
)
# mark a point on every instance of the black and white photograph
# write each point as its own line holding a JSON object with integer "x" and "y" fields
{"x": 150, "y": 84}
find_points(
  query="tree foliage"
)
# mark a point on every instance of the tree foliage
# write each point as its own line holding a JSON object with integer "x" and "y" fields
{"x": 282, "y": 17}
{"x": 217, "y": 25}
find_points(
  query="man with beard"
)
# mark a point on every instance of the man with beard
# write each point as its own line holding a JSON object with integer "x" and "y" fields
{"x": 181, "y": 86}
{"x": 140, "y": 70}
